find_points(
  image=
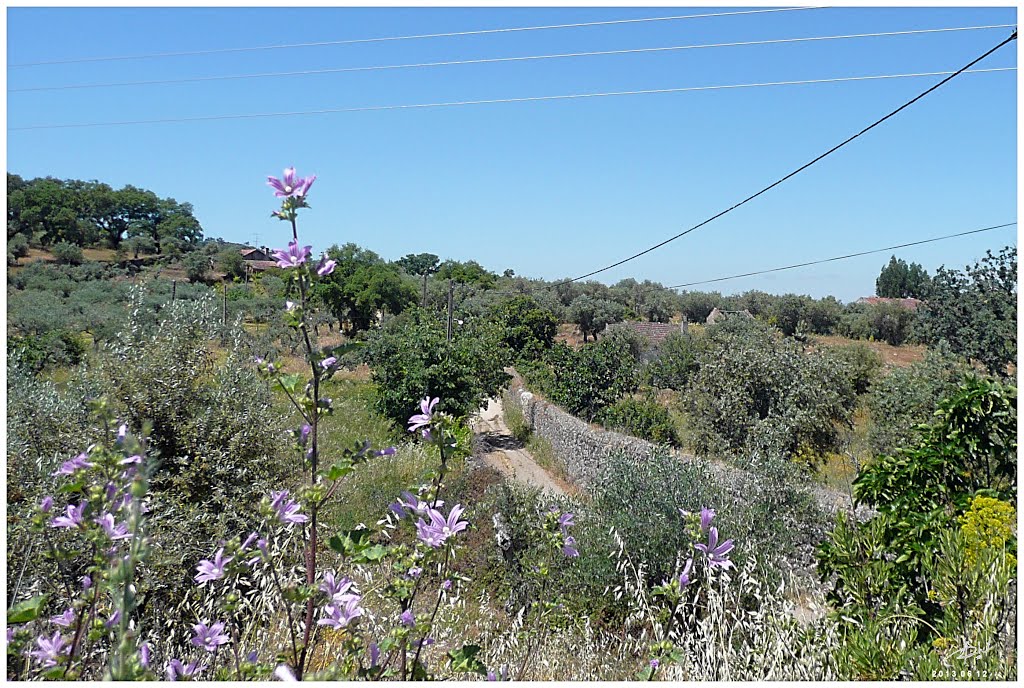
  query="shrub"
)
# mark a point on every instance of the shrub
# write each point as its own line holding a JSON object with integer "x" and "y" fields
{"x": 907, "y": 397}
{"x": 411, "y": 359}
{"x": 526, "y": 328}
{"x": 197, "y": 266}
{"x": 756, "y": 391}
{"x": 863, "y": 363}
{"x": 585, "y": 381}
{"x": 58, "y": 349}
{"x": 896, "y": 562}
{"x": 17, "y": 245}
{"x": 644, "y": 418}
{"x": 975, "y": 311}
{"x": 675, "y": 362}
{"x": 66, "y": 253}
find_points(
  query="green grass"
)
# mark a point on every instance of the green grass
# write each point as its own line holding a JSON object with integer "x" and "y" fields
{"x": 364, "y": 496}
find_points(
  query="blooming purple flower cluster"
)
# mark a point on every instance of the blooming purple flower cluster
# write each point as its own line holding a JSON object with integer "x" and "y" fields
{"x": 49, "y": 650}
{"x": 421, "y": 421}
{"x": 212, "y": 570}
{"x": 569, "y": 542}
{"x": 294, "y": 256}
{"x": 291, "y": 186}
{"x": 411, "y": 505}
{"x": 69, "y": 467}
{"x": 343, "y": 606}
{"x": 210, "y": 637}
{"x": 176, "y": 670}
{"x": 73, "y": 518}
{"x": 440, "y": 528}
{"x": 716, "y": 553}
{"x": 287, "y": 509}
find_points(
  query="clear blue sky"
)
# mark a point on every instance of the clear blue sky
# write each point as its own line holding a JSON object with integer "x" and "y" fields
{"x": 557, "y": 188}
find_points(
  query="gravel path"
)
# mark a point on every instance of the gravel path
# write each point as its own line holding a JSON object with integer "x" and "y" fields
{"x": 506, "y": 454}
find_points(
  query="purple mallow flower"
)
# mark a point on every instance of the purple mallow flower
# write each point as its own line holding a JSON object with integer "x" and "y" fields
{"x": 46, "y": 504}
{"x": 122, "y": 432}
{"x": 213, "y": 570}
{"x": 210, "y": 637}
{"x": 325, "y": 267}
{"x": 423, "y": 419}
{"x": 440, "y": 528}
{"x": 65, "y": 619}
{"x": 565, "y": 520}
{"x": 341, "y": 611}
{"x": 447, "y": 585}
{"x": 69, "y": 467}
{"x": 287, "y": 509}
{"x": 334, "y": 587}
{"x": 328, "y": 362}
{"x": 716, "y": 553}
{"x": 294, "y": 256}
{"x": 49, "y": 649}
{"x": 175, "y": 669}
{"x": 569, "y": 547}
{"x": 113, "y": 620}
{"x": 118, "y": 531}
{"x": 706, "y": 515}
{"x": 374, "y": 654}
{"x": 290, "y": 186}
{"x": 684, "y": 577}
{"x": 409, "y": 503}
{"x": 408, "y": 619}
{"x": 144, "y": 653}
{"x": 73, "y": 518}
{"x": 133, "y": 459}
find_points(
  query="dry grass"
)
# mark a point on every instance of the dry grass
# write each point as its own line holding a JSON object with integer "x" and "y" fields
{"x": 893, "y": 356}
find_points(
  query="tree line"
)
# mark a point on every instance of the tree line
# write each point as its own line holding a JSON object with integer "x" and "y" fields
{"x": 46, "y": 211}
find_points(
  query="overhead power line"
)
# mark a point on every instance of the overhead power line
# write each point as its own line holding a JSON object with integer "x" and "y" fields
{"x": 493, "y": 60}
{"x": 352, "y": 41}
{"x": 494, "y": 101}
{"x": 849, "y": 255}
{"x": 803, "y": 167}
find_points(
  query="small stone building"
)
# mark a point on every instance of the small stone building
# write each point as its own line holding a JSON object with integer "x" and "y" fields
{"x": 717, "y": 315}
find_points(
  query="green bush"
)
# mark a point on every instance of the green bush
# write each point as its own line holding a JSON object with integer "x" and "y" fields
{"x": 66, "y": 253}
{"x": 675, "y": 362}
{"x": 17, "y": 246}
{"x": 644, "y": 418}
{"x": 526, "y": 328}
{"x": 907, "y": 397}
{"x": 197, "y": 266}
{"x": 918, "y": 557}
{"x": 57, "y": 349}
{"x": 758, "y": 392}
{"x": 411, "y": 359}
{"x": 863, "y": 362}
{"x": 587, "y": 380}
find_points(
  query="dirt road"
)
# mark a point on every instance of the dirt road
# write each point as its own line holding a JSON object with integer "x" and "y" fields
{"x": 506, "y": 454}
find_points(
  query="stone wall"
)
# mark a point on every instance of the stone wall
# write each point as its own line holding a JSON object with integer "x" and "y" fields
{"x": 584, "y": 448}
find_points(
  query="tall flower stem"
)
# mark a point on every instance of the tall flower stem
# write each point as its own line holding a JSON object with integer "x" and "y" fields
{"x": 437, "y": 606}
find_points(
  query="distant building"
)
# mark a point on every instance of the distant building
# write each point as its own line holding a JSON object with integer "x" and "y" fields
{"x": 654, "y": 332}
{"x": 257, "y": 259}
{"x": 910, "y": 304}
{"x": 717, "y": 315}
{"x": 254, "y": 254}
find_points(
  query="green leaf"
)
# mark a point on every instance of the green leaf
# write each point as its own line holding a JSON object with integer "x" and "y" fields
{"x": 464, "y": 660}
{"x": 339, "y": 470}
{"x": 291, "y": 382}
{"x": 26, "y": 611}
{"x": 372, "y": 554}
